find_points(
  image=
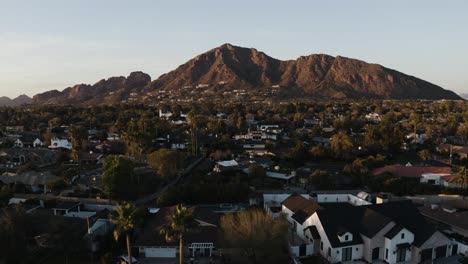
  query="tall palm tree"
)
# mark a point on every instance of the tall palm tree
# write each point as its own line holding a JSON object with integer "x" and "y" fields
{"x": 461, "y": 177}
{"x": 125, "y": 217}
{"x": 179, "y": 221}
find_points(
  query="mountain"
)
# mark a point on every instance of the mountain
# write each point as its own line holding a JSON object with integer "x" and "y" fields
{"x": 20, "y": 100}
{"x": 230, "y": 67}
{"x": 106, "y": 91}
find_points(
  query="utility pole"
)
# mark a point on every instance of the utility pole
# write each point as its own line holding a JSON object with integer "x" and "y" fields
{"x": 450, "y": 154}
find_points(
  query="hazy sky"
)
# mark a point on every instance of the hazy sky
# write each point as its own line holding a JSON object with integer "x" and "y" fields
{"x": 48, "y": 45}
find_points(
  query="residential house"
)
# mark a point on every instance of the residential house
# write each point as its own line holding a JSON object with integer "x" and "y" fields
{"x": 60, "y": 143}
{"x": 201, "y": 241}
{"x": 33, "y": 181}
{"x": 391, "y": 232}
{"x": 428, "y": 174}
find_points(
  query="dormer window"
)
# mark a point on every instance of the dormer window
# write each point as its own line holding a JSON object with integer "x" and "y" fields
{"x": 402, "y": 235}
{"x": 346, "y": 238}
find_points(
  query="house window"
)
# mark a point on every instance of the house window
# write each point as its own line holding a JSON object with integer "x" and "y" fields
{"x": 357, "y": 249}
{"x": 321, "y": 245}
{"x": 329, "y": 252}
{"x": 346, "y": 238}
{"x": 386, "y": 253}
{"x": 402, "y": 235}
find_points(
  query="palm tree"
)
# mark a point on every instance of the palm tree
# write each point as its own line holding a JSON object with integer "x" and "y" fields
{"x": 424, "y": 155}
{"x": 179, "y": 221}
{"x": 461, "y": 177}
{"x": 125, "y": 217}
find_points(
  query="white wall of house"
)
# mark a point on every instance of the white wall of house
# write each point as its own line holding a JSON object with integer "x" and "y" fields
{"x": 378, "y": 241}
{"x": 433, "y": 178}
{"x": 346, "y": 237}
{"x": 391, "y": 245}
{"x": 436, "y": 240}
{"x": 462, "y": 248}
{"x": 38, "y": 143}
{"x": 60, "y": 143}
{"x": 296, "y": 249}
{"x": 159, "y": 252}
{"x": 337, "y": 253}
{"x": 18, "y": 143}
{"x": 288, "y": 213}
{"x": 274, "y": 198}
{"x": 341, "y": 198}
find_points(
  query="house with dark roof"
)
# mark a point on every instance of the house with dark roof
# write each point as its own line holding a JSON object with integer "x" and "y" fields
{"x": 391, "y": 232}
{"x": 298, "y": 209}
{"x": 201, "y": 241}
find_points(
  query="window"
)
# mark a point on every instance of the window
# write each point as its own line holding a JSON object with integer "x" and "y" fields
{"x": 346, "y": 238}
{"x": 321, "y": 245}
{"x": 402, "y": 235}
{"x": 386, "y": 253}
{"x": 357, "y": 249}
{"x": 329, "y": 251}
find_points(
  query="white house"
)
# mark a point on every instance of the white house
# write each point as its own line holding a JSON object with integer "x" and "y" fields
{"x": 37, "y": 143}
{"x": 392, "y": 232}
{"x": 165, "y": 115}
{"x": 18, "y": 143}
{"x": 56, "y": 143}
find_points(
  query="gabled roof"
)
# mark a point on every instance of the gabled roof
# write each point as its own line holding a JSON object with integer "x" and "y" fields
{"x": 369, "y": 220}
{"x": 394, "y": 231}
{"x": 302, "y": 207}
{"x": 313, "y": 231}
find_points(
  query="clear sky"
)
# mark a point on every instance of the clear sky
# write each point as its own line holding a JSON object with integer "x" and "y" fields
{"x": 53, "y": 44}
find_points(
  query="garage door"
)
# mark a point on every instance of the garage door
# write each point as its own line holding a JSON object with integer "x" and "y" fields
{"x": 160, "y": 252}
{"x": 426, "y": 255}
{"x": 441, "y": 251}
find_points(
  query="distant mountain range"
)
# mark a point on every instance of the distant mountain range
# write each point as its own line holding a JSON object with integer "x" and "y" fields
{"x": 20, "y": 100}
{"x": 229, "y": 67}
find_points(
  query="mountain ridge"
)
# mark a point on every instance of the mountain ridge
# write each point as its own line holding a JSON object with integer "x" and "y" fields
{"x": 229, "y": 67}
{"x": 17, "y": 101}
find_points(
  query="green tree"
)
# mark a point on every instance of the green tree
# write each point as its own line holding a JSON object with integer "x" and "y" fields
{"x": 5, "y": 194}
{"x": 461, "y": 177}
{"x": 255, "y": 232}
{"x": 13, "y": 225}
{"x": 77, "y": 135}
{"x": 166, "y": 162}
{"x": 57, "y": 184}
{"x": 425, "y": 155}
{"x": 117, "y": 175}
{"x": 341, "y": 145}
{"x": 125, "y": 217}
{"x": 462, "y": 132}
{"x": 299, "y": 153}
{"x": 321, "y": 180}
{"x": 257, "y": 172}
{"x": 179, "y": 221}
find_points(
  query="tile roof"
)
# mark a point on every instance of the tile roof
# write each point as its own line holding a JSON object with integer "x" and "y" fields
{"x": 410, "y": 171}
